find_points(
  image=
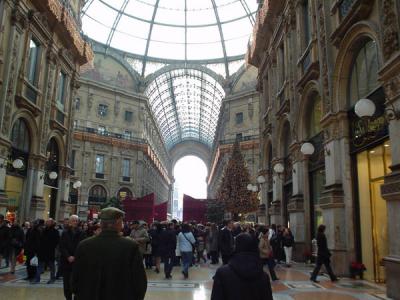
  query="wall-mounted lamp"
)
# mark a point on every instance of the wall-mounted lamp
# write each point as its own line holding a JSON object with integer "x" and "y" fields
{"x": 77, "y": 184}
{"x": 365, "y": 108}
{"x": 307, "y": 149}
{"x": 255, "y": 187}
{"x": 279, "y": 168}
{"x": 52, "y": 175}
{"x": 17, "y": 164}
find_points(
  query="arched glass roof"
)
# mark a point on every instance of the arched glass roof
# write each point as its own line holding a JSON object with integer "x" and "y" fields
{"x": 185, "y": 30}
{"x": 186, "y": 105}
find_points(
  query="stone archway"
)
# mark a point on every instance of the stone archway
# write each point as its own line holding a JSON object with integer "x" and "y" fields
{"x": 191, "y": 148}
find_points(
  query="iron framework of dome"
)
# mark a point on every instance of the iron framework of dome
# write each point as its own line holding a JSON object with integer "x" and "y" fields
{"x": 154, "y": 34}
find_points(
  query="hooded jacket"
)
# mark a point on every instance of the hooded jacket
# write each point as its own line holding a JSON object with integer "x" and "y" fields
{"x": 242, "y": 279}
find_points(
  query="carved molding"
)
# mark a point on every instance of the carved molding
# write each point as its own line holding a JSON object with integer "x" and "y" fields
{"x": 390, "y": 29}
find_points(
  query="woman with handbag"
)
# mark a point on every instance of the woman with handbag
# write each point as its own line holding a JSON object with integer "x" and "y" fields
{"x": 266, "y": 254}
{"x": 186, "y": 243}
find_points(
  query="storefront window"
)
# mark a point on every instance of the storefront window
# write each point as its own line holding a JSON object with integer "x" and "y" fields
{"x": 97, "y": 194}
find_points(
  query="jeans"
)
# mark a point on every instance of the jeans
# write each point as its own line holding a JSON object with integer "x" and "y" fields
{"x": 40, "y": 270}
{"x": 168, "y": 264}
{"x": 288, "y": 254}
{"x": 186, "y": 261}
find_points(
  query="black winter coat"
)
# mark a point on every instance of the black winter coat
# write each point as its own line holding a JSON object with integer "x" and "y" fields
{"x": 4, "y": 239}
{"x": 17, "y": 238}
{"x": 323, "y": 252}
{"x": 48, "y": 243}
{"x": 243, "y": 278}
{"x": 32, "y": 242}
{"x": 68, "y": 243}
{"x": 167, "y": 240}
{"x": 225, "y": 242}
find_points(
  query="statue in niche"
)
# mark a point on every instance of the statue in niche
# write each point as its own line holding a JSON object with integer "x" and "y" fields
{"x": 90, "y": 101}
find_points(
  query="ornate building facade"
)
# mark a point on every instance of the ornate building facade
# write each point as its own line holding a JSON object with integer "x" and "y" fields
{"x": 117, "y": 149}
{"x": 325, "y": 163}
{"x": 41, "y": 51}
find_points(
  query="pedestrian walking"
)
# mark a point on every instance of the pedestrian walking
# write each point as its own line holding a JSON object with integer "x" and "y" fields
{"x": 109, "y": 266}
{"x": 288, "y": 243}
{"x": 186, "y": 247}
{"x": 243, "y": 278}
{"x": 323, "y": 256}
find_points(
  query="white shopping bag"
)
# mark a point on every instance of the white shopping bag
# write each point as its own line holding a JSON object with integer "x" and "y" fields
{"x": 34, "y": 262}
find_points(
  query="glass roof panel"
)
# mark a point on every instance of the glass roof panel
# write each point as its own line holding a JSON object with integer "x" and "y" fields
{"x": 230, "y": 11}
{"x": 186, "y": 104}
{"x": 167, "y": 39}
{"x": 236, "y": 46}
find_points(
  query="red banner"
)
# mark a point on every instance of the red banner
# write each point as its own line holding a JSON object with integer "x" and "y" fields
{"x": 194, "y": 209}
{"x": 160, "y": 211}
{"x": 139, "y": 209}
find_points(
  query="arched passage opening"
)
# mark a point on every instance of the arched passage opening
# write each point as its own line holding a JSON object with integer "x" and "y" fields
{"x": 190, "y": 173}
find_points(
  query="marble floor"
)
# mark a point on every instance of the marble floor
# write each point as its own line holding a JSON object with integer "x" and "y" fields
{"x": 293, "y": 284}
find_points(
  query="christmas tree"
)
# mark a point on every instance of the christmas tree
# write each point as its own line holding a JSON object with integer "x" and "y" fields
{"x": 233, "y": 191}
{"x": 215, "y": 211}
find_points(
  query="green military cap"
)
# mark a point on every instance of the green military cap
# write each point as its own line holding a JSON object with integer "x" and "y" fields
{"x": 111, "y": 213}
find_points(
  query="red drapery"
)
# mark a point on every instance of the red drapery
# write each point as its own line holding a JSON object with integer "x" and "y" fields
{"x": 139, "y": 209}
{"x": 194, "y": 209}
{"x": 160, "y": 211}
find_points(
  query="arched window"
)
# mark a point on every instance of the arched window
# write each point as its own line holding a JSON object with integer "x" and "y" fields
{"x": 314, "y": 125}
{"x": 20, "y": 139}
{"x": 123, "y": 193}
{"x": 97, "y": 194}
{"x": 364, "y": 72}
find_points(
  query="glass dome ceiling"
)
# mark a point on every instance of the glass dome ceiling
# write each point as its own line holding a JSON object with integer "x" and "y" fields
{"x": 186, "y": 105}
{"x": 184, "y": 30}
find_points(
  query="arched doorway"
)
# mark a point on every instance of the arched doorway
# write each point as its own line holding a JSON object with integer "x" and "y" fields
{"x": 51, "y": 177}
{"x": 97, "y": 195}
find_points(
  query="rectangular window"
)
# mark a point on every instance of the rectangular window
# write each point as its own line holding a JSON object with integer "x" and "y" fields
{"x": 99, "y": 164}
{"x": 239, "y": 118}
{"x": 128, "y": 134}
{"x": 62, "y": 78}
{"x": 128, "y": 116}
{"x": 101, "y": 130}
{"x": 126, "y": 167}
{"x": 33, "y": 61}
{"x": 72, "y": 159}
{"x": 77, "y": 104}
{"x": 103, "y": 110}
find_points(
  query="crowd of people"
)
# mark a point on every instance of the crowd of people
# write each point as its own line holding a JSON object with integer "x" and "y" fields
{"x": 243, "y": 248}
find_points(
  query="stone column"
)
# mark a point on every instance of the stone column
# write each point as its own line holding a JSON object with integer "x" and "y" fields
{"x": 332, "y": 199}
{"x": 390, "y": 190}
{"x": 275, "y": 210}
{"x": 3, "y": 168}
{"x": 37, "y": 206}
{"x": 63, "y": 208}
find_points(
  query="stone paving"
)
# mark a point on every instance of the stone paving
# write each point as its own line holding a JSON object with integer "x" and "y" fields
{"x": 293, "y": 284}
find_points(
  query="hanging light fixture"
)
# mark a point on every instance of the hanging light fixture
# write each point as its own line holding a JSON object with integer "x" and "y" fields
{"x": 261, "y": 179}
{"x": 279, "y": 168}
{"x": 18, "y": 164}
{"x": 250, "y": 187}
{"x": 53, "y": 175}
{"x": 365, "y": 108}
{"x": 77, "y": 184}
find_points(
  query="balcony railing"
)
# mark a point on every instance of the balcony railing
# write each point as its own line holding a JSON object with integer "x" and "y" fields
{"x": 114, "y": 135}
{"x": 243, "y": 139}
{"x": 345, "y": 7}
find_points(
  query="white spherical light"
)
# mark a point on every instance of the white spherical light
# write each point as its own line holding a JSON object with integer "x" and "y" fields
{"x": 53, "y": 175}
{"x": 307, "y": 149}
{"x": 278, "y": 168}
{"x": 77, "y": 184}
{"x": 261, "y": 179}
{"x": 255, "y": 188}
{"x": 250, "y": 187}
{"x": 18, "y": 164}
{"x": 364, "y": 108}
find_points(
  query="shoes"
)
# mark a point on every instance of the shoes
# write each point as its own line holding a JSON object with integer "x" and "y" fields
{"x": 50, "y": 281}
{"x": 185, "y": 274}
{"x": 275, "y": 279}
{"x": 35, "y": 281}
{"x": 335, "y": 279}
{"x": 168, "y": 276}
{"x": 157, "y": 271}
{"x": 314, "y": 280}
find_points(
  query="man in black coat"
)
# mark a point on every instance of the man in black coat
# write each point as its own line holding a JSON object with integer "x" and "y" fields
{"x": 69, "y": 241}
{"x": 323, "y": 256}
{"x": 109, "y": 266}
{"x": 167, "y": 248}
{"x": 49, "y": 241}
{"x": 32, "y": 247}
{"x": 225, "y": 242}
{"x": 4, "y": 238}
{"x": 243, "y": 278}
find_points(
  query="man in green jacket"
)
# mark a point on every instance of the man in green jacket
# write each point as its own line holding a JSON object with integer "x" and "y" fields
{"x": 109, "y": 266}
